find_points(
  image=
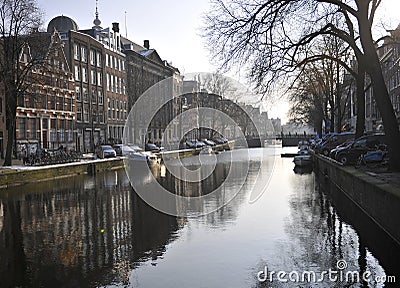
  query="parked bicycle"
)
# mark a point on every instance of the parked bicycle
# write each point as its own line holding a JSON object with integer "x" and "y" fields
{"x": 375, "y": 158}
{"x": 51, "y": 157}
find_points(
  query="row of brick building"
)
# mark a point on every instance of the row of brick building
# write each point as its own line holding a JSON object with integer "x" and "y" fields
{"x": 82, "y": 89}
{"x": 389, "y": 54}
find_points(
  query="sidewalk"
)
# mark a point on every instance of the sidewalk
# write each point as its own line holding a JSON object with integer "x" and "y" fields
{"x": 391, "y": 178}
{"x": 18, "y": 164}
{"x": 19, "y": 174}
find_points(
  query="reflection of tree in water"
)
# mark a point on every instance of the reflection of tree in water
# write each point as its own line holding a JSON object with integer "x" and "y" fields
{"x": 78, "y": 233}
{"x": 319, "y": 237}
{"x": 225, "y": 213}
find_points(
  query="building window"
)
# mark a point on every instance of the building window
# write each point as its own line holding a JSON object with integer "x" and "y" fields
{"x": 94, "y": 97}
{"x": 83, "y": 54}
{"x": 78, "y": 93}
{"x": 101, "y": 116}
{"x": 79, "y": 113}
{"x": 85, "y": 95}
{"x": 84, "y": 74}
{"x": 22, "y": 127}
{"x": 100, "y": 94}
{"x": 92, "y": 57}
{"x": 62, "y": 130}
{"x": 33, "y": 128}
{"x": 69, "y": 104}
{"x": 93, "y": 77}
{"x": 100, "y": 78}
{"x": 107, "y": 62}
{"x": 94, "y": 115}
{"x": 76, "y": 52}
{"x": 108, "y": 82}
{"x": 86, "y": 115}
{"x": 70, "y": 131}
{"x": 98, "y": 59}
{"x": 60, "y": 103}
{"x": 53, "y": 130}
{"x": 53, "y": 102}
{"x": 109, "y": 108}
{"x": 77, "y": 73}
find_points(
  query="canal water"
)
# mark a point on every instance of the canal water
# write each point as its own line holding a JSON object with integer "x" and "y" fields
{"x": 94, "y": 231}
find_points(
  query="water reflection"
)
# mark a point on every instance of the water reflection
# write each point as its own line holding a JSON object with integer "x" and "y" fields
{"x": 78, "y": 233}
{"x": 89, "y": 231}
{"x": 95, "y": 231}
{"x": 303, "y": 169}
{"x": 325, "y": 227}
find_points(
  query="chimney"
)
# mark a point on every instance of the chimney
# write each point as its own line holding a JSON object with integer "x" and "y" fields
{"x": 146, "y": 44}
{"x": 115, "y": 27}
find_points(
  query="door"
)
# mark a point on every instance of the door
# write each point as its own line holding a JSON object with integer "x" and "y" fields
{"x": 44, "y": 137}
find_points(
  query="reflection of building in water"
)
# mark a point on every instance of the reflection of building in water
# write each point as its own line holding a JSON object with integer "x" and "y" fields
{"x": 1, "y": 216}
{"x": 202, "y": 183}
{"x": 66, "y": 233}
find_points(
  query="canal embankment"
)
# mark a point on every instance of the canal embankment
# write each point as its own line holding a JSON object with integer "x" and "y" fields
{"x": 378, "y": 197}
{"x": 20, "y": 175}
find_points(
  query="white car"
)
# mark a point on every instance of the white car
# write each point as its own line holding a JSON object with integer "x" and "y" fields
{"x": 105, "y": 151}
{"x": 139, "y": 154}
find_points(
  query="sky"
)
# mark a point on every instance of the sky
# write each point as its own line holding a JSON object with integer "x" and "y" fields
{"x": 172, "y": 27}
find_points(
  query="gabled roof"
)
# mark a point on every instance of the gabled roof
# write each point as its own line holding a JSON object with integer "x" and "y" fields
{"x": 151, "y": 54}
{"x": 40, "y": 45}
{"x": 147, "y": 53}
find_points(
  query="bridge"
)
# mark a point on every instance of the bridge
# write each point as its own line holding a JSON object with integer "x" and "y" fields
{"x": 292, "y": 139}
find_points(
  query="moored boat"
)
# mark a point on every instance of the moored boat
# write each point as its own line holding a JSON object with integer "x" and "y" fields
{"x": 303, "y": 158}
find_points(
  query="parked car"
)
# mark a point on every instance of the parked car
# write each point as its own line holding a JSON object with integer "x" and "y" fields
{"x": 334, "y": 141}
{"x": 195, "y": 144}
{"x": 318, "y": 144}
{"x": 105, "y": 151}
{"x": 302, "y": 143}
{"x": 118, "y": 149}
{"x": 152, "y": 148}
{"x": 209, "y": 142}
{"x": 340, "y": 147}
{"x": 139, "y": 154}
{"x": 360, "y": 146}
{"x": 222, "y": 141}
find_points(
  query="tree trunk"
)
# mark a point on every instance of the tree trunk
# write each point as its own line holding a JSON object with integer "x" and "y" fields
{"x": 10, "y": 143}
{"x": 360, "y": 83}
{"x": 332, "y": 127}
{"x": 11, "y": 113}
{"x": 318, "y": 126}
{"x": 381, "y": 94}
{"x": 338, "y": 100}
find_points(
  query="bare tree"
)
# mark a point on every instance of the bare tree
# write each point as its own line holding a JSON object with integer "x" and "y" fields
{"x": 309, "y": 97}
{"x": 327, "y": 78}
{"x": 271, "y": 36}
{"x": 18, "y": 19}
